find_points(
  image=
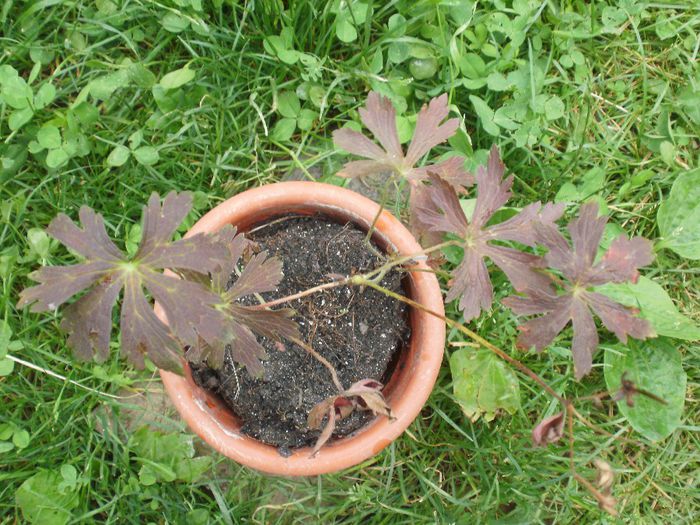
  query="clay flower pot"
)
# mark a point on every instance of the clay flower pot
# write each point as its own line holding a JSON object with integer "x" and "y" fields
{"x": 411, "y": 382}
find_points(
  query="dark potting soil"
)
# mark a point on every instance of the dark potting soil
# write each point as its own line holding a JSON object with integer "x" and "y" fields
{"x": 358, "y": 330}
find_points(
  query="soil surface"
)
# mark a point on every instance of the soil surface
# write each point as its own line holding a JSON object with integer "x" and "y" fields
{"x": 358, "y": 330}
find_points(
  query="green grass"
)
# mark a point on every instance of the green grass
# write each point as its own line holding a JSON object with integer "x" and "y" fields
{"x": 630, "y": 99}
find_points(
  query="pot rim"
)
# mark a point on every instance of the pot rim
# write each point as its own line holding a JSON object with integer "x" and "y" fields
{"x": 410, "y": 386}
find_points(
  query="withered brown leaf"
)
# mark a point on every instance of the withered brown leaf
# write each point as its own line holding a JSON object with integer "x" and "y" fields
{"x": 575, "y": 301}
{"x": 364, "y": 395}
{"x": 107, "y": 270}
{"x": 441, "y": 212}
{"x": 549, "y": 430}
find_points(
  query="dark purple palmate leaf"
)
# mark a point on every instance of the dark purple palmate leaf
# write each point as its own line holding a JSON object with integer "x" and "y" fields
{"x": 106, "y": 271}
{"x": 441, "y": 212}
{"x": 576, "y": 300}
{"x": 379, "y": 116}
{"x": 260, "y": 274}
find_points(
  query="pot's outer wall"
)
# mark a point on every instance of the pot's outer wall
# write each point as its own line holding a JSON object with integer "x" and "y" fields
{"x": 415, "y": 373}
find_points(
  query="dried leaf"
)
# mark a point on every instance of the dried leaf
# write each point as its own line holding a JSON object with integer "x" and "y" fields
{"x": 606, "y": 475}
{"x": 577, "y": 302}
{"x": 326, "y": 433}
{"x": 370, "y": 397}
{"x": 106, "y": 270}
{"x": 365, "y": 394}
{"x": 439, "y": 211}
{"x": 549, "y": 430}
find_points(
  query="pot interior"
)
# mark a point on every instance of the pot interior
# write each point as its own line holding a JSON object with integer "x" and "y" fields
{"x": 403, "y": 360}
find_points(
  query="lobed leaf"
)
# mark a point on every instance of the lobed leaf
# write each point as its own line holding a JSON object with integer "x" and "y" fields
{"x": 241, "y": 323}
{"x": 577, "y": 302}
{"x": 439, "y": 211}
{"x": 107, "y": 270}
{"x": 379, "y": 116}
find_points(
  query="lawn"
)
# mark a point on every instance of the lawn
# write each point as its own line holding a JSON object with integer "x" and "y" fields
{"x": 116, "y": 99}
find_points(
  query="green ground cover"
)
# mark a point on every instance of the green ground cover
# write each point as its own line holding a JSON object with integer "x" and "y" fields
{"x": 105, "y": 102}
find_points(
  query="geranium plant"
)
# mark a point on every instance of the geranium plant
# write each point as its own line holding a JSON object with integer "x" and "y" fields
{"x": 221, "y": 279}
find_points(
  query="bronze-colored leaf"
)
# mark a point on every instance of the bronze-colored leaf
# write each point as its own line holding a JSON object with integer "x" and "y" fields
{"x": 241, "y": 322}
{"x": 576, "y": 301}
{"x": 439, "y": 211}
{"x": 364, "y": 394}
{"x": 379, "y": 116}
{"x": 188, "y": 306}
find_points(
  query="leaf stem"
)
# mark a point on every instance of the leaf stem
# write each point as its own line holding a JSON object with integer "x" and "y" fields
{"x": 360, "y": 280}
{"x": 372, "y": 274}
{"x": 323, "y": 361}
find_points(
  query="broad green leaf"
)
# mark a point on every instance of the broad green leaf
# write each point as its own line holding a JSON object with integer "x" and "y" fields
{"x": 86, "y": 113}
{"x": 19, "y": 118}
{"x": 486, "y": 115}
{"x": 284, "y": 129}
{"x": 177, "y": 78}
{"x": 344, "y": 30}
{"x": 70, "y": 478}
{"x": 668, "y": 152}
{"x": 56, "y": 158}
{"x": 45, "y": 95}
{"x": 288, "y": 104}
{"x": 106, "y": 7}
{"x": 498, "y": 82}
{"x": 472, "y": 66}
{"x": 678, "y": 217}
{"x": 39, "y": 242}
{"x": 49, "y": 136}
{"x": 166, "y": 457}
{"x": 135, "y": 139}
{"x": 422, "y": 68}
{"x": 5, "y": 337}
{"x": 5, "y": 446}
{"x": 377, "y": 62}
{"x": 404, "y": 128}
{"x": 42, "y": 503}
{"x": 6, "y": 367}
{"x": 398, "y": 52}
{"x": 118, "y": 156}
{"x": 42, "y": 55}
{"x": 306, "y": 119}
{"x": 174, "y": 23}
{"x": 591, "y": 182}
{"x": 141, "y": 76}
{"x": 553, "y": 108}
{"x": 16, "y": 92}
{"x": 146, "y": 155}
{"x": 655, "y": 305}
{"x": 483, "y": 384}
{"x": 103, "y": 87}
{"x": 653, "y": 365}
{"x": 20, "y": 438}
{"x": 198, "y": 517}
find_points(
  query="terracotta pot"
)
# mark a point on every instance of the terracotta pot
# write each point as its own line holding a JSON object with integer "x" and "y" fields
{"x": 411, "y": 382}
